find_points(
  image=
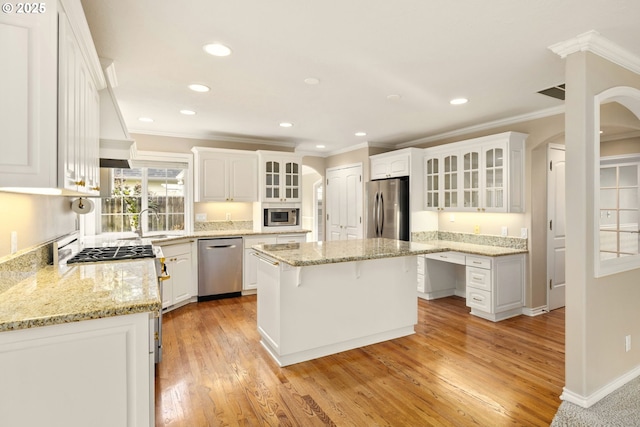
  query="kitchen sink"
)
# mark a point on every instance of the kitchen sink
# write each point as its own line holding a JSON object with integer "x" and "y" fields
{"x": 154, "y": 237}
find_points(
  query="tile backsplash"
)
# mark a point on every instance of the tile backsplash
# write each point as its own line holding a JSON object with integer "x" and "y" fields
{"x": 222, "y": 225}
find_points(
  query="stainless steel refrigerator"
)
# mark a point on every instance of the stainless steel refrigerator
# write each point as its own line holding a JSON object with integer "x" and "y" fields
{"x": 387, "y": 207}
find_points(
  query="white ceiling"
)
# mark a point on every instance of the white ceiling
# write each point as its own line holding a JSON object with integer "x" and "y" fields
{"x": 495, "y": 53}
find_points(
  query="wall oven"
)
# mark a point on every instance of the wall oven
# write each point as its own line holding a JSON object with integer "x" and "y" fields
{"x": 279, "y": 217}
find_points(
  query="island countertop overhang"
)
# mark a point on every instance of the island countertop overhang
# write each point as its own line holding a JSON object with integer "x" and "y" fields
{"x": 329, "y": 252}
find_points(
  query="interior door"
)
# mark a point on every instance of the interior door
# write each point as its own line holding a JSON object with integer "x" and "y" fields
{"x": 344, "y": 203}
{"x": 556, "y": 226}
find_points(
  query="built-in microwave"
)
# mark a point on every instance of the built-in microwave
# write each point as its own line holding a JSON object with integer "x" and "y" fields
{"x": 274, "y": 217}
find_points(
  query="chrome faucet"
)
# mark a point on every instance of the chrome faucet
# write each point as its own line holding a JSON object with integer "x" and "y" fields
{"x": 138, "y": 230}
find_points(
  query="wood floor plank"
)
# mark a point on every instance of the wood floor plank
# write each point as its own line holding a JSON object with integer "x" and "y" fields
{"x": 456, "y": 370}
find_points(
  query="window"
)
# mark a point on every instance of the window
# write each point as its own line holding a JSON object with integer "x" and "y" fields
{"x": 158, "y": 192}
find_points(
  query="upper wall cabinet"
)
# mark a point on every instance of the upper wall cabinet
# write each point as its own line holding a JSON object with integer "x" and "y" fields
{"x": 480, "y": 175}
{"x": 280, "y": 176}
{"x": 388, "y": 165}
{"x": 225, "y": 175}
{"x": 49, "y": 119}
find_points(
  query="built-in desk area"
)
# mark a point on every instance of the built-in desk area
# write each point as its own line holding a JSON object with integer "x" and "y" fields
{"x": 490, "y": 278}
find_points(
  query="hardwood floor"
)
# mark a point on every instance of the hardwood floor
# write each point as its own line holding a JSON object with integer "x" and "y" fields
{"x": 457, "y": 370}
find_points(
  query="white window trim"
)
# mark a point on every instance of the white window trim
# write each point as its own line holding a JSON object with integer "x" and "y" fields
{"x": 630, "y": 98}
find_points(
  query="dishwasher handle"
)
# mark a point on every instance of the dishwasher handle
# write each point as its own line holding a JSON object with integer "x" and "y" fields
{"x": 221, "y": 247}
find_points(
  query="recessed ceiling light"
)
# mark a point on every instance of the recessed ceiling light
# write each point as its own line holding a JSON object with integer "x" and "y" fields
{"x": 312, "y": 81}
{"x": 199, "y": 88}
{"x": 286, "y": 124}
{"x": 145, "y": 119}
{"x": 217, "y": 49}
{"x": 320, "y": 146}
{"x": 458, "y": 101}
{"x": 393, "y": 97}
{"x": 361, "y": 134}
{"x": 187, "y": 112}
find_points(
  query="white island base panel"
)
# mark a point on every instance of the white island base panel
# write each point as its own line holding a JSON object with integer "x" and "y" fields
{"x": 313, "y": 311}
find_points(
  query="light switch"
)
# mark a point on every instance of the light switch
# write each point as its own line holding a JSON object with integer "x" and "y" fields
{"x": 505, "y": 231}
{"x": 201, "y": 217}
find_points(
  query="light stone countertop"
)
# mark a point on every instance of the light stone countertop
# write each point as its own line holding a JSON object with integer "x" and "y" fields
{"x": 317, "y": 253}
{"x": 63, "y": 294}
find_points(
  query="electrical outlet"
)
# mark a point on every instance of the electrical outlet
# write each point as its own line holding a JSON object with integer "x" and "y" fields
{"x": 14, "y": 242}
{"x": 505, "y": 231}
{"x": 627, "y": 343}
{"x": 452, "y": 218}
{"x": 201, "y": 217}
{"x": 476, "y": 229}
{"x": 524, "y": 233}
{"x": 228, "y": 216}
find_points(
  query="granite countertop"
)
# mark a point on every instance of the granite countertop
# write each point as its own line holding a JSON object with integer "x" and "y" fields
{"x": 115, "y": 239}
{"x": 474, "y": 249}
{"x": 316, "y": 253}
{"x": 63, "y": 294}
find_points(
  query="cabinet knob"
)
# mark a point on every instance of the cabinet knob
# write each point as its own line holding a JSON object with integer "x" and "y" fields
{"x": 80, "y": 183}
{"x": 96, "y": 188}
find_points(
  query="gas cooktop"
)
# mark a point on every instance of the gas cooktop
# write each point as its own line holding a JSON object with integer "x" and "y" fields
{"x": 112, "y": 253}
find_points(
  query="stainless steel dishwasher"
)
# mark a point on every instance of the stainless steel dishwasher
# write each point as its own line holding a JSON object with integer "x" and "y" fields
{"x": 219, "y": 268}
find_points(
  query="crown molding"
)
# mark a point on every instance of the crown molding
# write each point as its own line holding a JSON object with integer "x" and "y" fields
{"x": 360, "y": 146}
{"x": 593, "y": 42}
{"x": 235, "y": 139}
{"x": 485, "y": 126}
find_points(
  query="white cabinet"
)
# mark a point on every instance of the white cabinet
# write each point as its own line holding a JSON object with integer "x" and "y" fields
{"x": 390, "y": 165}
{"x": 489, "y": 177}
{"x": 28, "y": 105}
{"x": 78, "y": 114}
{"x": 441, "y": 186}
{"x": 250, "y": 273}
{"x": 225, "y": 175}
{"x": 66, "y": 374}
{"x": 280, "y": 177}
{"x": 495, "y": 286}
{"x": 39, "y": 103}
{"x": 180, "y": 266}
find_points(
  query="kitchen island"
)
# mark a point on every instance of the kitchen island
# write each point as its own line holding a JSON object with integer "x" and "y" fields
{"x": 317, "y": 299}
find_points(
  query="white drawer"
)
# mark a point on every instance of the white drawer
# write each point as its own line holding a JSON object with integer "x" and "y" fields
{"x": 453, "y": 257}
{"x": 292, "y": 238}
{"x": 420, "y": 264}
{"x": 478, "y": 261}
{"x": 478, "y": 278}
{"x": 480, "y": 300}
{"x": 259, "y": 240}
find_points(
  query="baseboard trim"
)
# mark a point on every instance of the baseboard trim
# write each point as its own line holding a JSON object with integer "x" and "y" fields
{"x": 587, "y": 401}
{"x": 535, "y": 311}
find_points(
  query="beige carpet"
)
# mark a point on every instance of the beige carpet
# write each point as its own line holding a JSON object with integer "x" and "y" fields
{"x": 620, "y": 408}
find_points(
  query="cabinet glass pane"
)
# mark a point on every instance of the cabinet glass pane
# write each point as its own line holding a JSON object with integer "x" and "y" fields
{"x": 467, "y": 161}
{"x": 628, "y": 176}
{"x": 295, "y": 168}
{"x": 475, "y": 179}
{"x": 276, "y": 180}
{"x": 454, "y": 182}
{"x": 489, "y": 198}
{"x": 474, "y": 199}
{"x": 498, "y": 152}
{"x": 447, "y": 182}
{"x": 489, "y": 178}
{"x": 288, "y": 180}
{"x": 429, "y": 166}
{"x": 499, "y": 200}
{"x": 447, "y": 199}
{"x": 269, "y": 193}
{"x": 628, "y": 198}
{"x": 608, "y": 177}
{"x": 276, "y": 193}
{"x": 467, "y": 180}
{"x": 269, "y": 167}
{"x": 490, "y": 154}
{"x": 295, "y": 193}
{"x": 436, "y": 183}
{"x": 276, "y": 167}
{"x": 288, "y": 167}
{"x": 454, "y": 200}
{"x": 499, "y": 178}
{"x": 475, "y": 160}
{"x": 436, "y": 165}
{"x": 269, "y": 179}
{"x": 295, "y": 180}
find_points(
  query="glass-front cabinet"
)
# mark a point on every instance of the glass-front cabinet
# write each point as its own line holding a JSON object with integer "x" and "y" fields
{"x": 281, "y": 177}
{"x": 480, "y": 175}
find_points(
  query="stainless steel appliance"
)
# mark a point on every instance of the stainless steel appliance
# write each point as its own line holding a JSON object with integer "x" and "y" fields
{"x": 219, "y": 268}
{"x": 387, "y": 209}
{"x": 274, "y": 217}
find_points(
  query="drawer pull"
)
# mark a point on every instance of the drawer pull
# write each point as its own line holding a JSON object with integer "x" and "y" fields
{"x": 443, "y": 256}
{"x": 477, "y": 262}
{"x": 477, "y": 299}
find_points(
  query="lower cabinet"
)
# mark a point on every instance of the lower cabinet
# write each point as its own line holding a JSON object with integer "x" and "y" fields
{"x": 183, "y": 282}
{"x": 493, "y": 286}
{"x": 250, "y": 263}
{"x": 90, "y": 373}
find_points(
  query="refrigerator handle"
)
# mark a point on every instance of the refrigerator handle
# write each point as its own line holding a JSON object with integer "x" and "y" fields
{"x": 381, "y": 214}
{"x": 375, "y": 213}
